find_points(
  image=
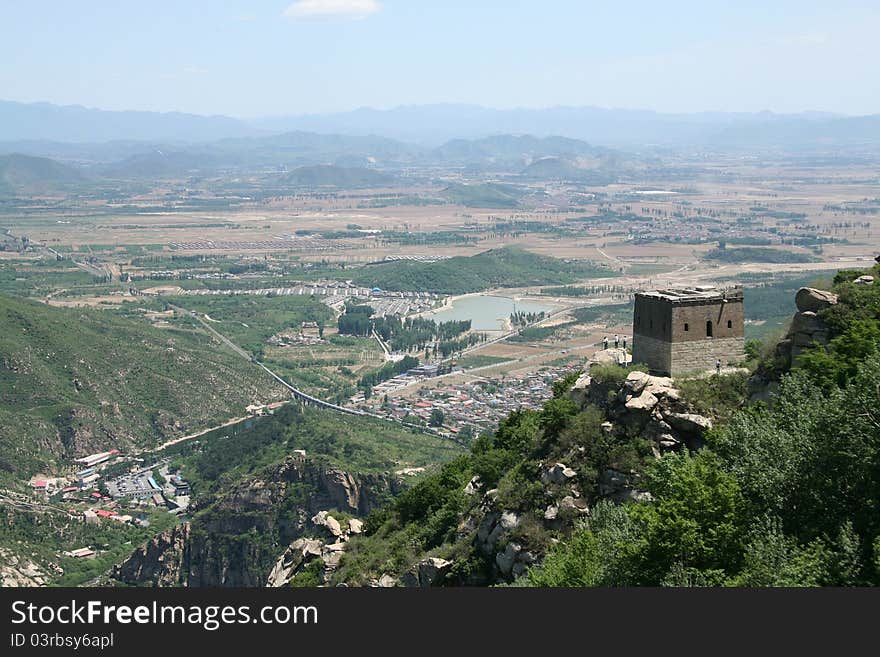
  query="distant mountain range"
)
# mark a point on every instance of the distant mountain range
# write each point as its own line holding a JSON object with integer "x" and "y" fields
{"x": 430, "y": 126}
{"x": 434, "y": 124}
{"x": 73, "y": 123}
{"x": 324, "y": 175}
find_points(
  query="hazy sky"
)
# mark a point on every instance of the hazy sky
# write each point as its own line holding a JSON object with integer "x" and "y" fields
{"x": 260, "y": 58}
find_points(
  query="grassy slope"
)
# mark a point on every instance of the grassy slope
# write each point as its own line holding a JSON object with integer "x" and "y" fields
{"x": 77, "y": 381}
{"x": 250, "y": 320}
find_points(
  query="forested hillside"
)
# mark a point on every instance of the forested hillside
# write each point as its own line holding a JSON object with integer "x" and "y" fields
{"x": 632, "y": 480}
{"x": 504, "y": 267}
{"x": 78, "y": 381}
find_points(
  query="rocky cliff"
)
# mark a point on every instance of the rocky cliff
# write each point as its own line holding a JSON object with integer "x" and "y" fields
{"x": 248, "y": 535}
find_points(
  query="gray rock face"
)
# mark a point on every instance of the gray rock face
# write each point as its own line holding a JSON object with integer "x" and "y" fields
{"x": 387, "y": 581}
{"x": 689, "y": 423}
{"x": 806, "y": 322}
{"x": 426, "y": 573}
{"x": 643, "y": 403}
{"x": 577, "y": 505}
{"x": 329, "y": 523}
{"x": 504, "y": 560}
{"x": 636, "y": 382}
{"x": 487, "y": 524}
{"x": 612, "y": 482}
{"x": 810, "y": 299}
{"x": 294, "y": 558}
{"x": 472, "y": 486}
{"x": 558, "y": 474}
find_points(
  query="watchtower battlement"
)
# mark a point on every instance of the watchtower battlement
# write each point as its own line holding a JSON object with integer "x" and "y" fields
{"x": 678, "y": 330}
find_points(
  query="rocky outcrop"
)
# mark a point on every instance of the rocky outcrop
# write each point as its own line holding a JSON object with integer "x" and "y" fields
{"x": 649, "y": 405}
{"x": 426, "y": 573}
{"x": 558, "y": 474}
{"x": 161, "y": 561}
{"x": 809, "y": 299}
{"x": 19, "y": 571}
{"x": 289, "y": 501}
{"x": 299, "y": 554}
{"x": 807, "y": 329}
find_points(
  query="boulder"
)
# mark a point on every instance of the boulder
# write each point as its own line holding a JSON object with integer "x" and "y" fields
{"x": 580, "y": 391}
{"x": 864, "y": 280}
{"x": 690, "y": 423}
{"x": 487, "y": 524}
{"x": 426, "y": 573}
{"x": 387, "y": 581}
{"x": 644, "y": 403}
{"x": 608, "y": 357}
{"x": 472, "y": 486}
{"x": 355, "y": 526}
{"x": 509, "y": 520}
{"x": 551, "y": 512}
{"x": 810, "y": 299}
{"x": 328, "y": 522}
{"x": 299, "y": 553}
{"x": 558, "y": 474}
{"x": 575, "y": 504}
{"x": 636, "y": 382}
{"x": 504, "y": 560}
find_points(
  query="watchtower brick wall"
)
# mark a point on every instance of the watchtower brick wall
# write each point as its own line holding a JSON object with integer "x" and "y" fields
{"x": 688, "y": 329}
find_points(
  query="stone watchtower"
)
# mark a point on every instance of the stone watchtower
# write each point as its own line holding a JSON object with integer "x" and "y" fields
{"x": 686, "y": 329}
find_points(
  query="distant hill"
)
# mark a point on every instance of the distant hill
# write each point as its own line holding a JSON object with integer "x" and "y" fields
{"x": 73, "y": 382}
{"x": 311, "y": 148}
{"x": 25, "y": 174}
{"x": 504, "y": 267}
{"x": 740, "y": 254}
{"x": 483, "y": 195}
{"x": 333, "y": 176}
{"x": 804, "y": 133}
{"x": 521, "y": 149}
{"x": 74, "y": 123}
{"x": 161, "y": 163}
{"x": 588, "y": 170}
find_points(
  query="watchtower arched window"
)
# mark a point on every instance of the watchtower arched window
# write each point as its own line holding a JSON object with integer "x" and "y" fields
{"x": 729, "y": 324}
{"x": 709, "y": 329}
{"x": 686, "y": 327}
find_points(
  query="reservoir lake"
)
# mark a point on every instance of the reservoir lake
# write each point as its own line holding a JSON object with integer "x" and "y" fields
{"x": 487, "y": 312}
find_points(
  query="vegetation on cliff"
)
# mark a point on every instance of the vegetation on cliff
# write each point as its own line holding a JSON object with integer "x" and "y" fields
{"x": 778, "y": 495}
